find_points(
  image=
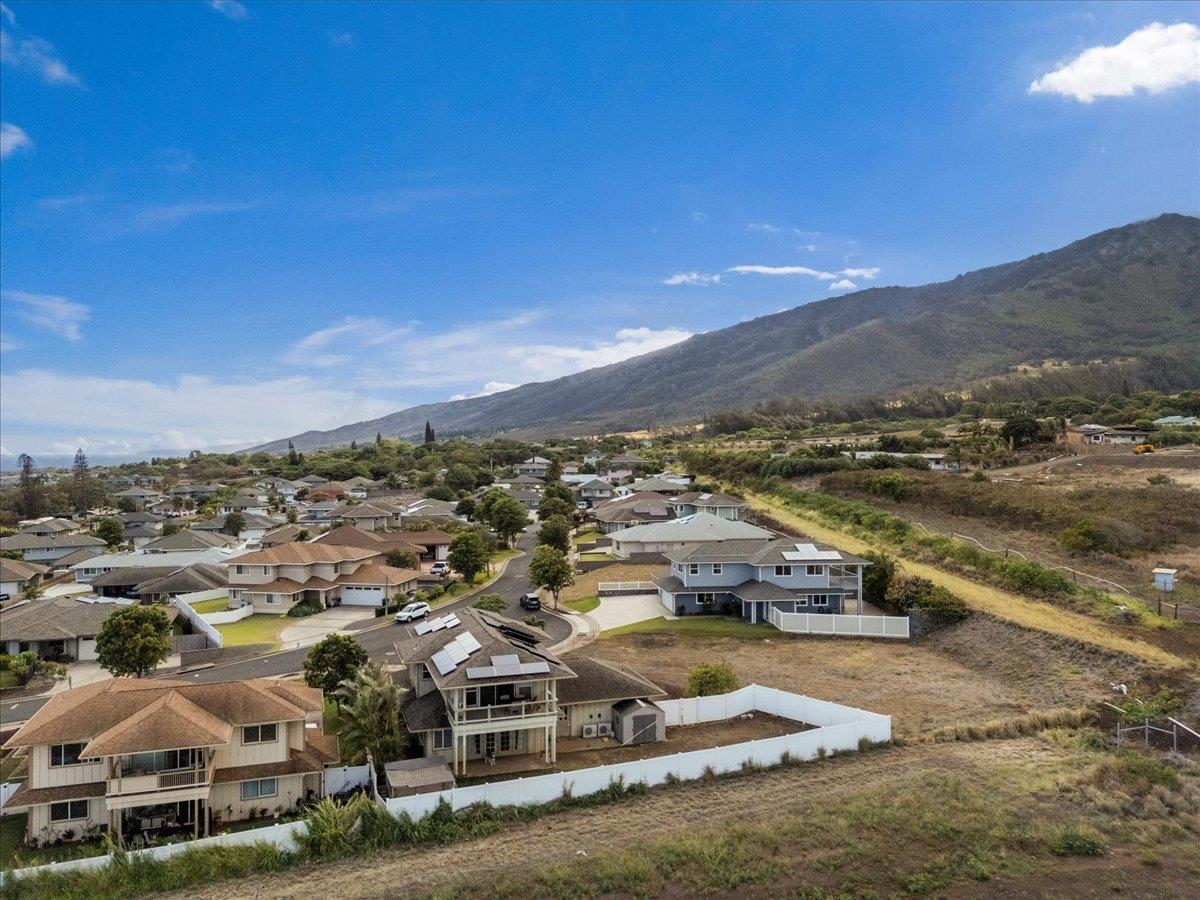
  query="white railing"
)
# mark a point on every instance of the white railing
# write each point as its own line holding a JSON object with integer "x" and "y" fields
{"x": 469, "y": 714}
{"x": 840, "y": 625}
{"x": 227, "y": 616}
{"x": 838, "y": 728}
{"x": 610, "y": 587}
{"x": 198, "y": 621}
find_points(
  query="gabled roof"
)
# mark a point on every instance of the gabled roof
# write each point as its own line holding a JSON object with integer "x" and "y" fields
{"x": 283, "y": 535}
{"x": 19, "y": 570}
{"x": 103, "y": 710}
{"x": 33, "y": 542}
{"x": 703, "y": 498}
{"x": 58, "y": 618}
{"x": 373, "y": 574}
{"x": 634, "y": 508}
{"x": 661, "y": 485}
{"x": 188, "y": 540}
{"x": 701, "y": 526}
{"x": 782, "y": 551}
{"x": 379, "y": 541}
{"x": 303, "y": 554}
{"x": 185, "y": 580}
{"x": 600, "y": 680}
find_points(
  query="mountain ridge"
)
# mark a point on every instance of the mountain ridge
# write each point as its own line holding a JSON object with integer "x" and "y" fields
{"x": 1072, "y": 303}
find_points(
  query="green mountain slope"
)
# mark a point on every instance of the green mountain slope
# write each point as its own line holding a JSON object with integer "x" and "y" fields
{"x": 1126, "y": 292}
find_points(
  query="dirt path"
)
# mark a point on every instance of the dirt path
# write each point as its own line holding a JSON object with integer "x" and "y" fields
{"x": 681, "y": 810}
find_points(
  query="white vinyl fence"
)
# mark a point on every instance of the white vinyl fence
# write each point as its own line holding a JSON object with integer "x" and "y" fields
{"x": 625, "y": 587}
{"x": 828, "y": 623}
{"x": 344, "y": 778}
{"x": 198, "y": 622}
{"x": 838, "y": 728}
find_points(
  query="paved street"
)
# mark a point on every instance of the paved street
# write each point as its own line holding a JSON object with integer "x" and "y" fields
{"x": 377, "y": 640}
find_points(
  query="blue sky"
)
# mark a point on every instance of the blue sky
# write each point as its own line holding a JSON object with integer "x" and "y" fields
{"x": 223, "y": 223}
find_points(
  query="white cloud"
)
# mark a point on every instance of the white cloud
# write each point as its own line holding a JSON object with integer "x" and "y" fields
{"x": 869, "y": 273}
{"x": 692, "y": 278}
{"x": 67, "y": 201}
{"x": 57, "y": 315}
{"x": 230, "y": 9}
{"x": 8, "y": 14}
{"x": 36, "y": 55}
{"x": 782, "y": 271}
{"x": 353, "y": 332}
{"x": 174, "y": 213}
{"x": 342, "y": 38}
{"x": 764, "y": 227}
{"x": 12, "y": 139}
{"x": 492, "y": 387}
{"x": 6, "y": 344}
{"x": 556, "y": 360}
{"x": 190, "y": 412}
{"x": 844, "y": 284}
{"x": 699, "y": 216}
{"x": 1154, "y": 59}
{"x": 811, "y": 248}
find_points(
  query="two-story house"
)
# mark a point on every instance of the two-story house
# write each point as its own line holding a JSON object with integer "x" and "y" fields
{"x": 591, "y": 491}
{"x": 648, "y": 542}
{"x": 537, "y": 466}
{"x": 636, "y": 509}
{"x": 276, "y": 579}
{"x": 485, "y": 686}
{"x": 721, "y": 505}
{"x": 145, "y": 755}
{"x": 47, "y": 549}
{"x": 751, "y": 576}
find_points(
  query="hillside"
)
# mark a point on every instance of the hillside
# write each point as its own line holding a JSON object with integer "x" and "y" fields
{"x": 1126, "y": 292}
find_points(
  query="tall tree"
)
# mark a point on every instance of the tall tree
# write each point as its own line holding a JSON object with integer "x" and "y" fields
{"x": 332, "y": 660}
{"x": 110, "y": 531}
{"x": 133, "y": 640}
{"x": 556, "y": 532}
{"x": 430, "y": 437}
{"x": 550, "y": 569}
{"x": 31, "y": 501}
{"x": 507, "y": 518}
{"x": 83, "y": 486}
{"x": 235, "y": 523}
{"x": 293, "y": 457}
{"x": 368, "y": 715}
{"x": 554, "y": 471}
{"x": 467, "y": 555}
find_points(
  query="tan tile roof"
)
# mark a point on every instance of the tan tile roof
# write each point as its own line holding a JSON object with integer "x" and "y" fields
{"x": 58, "y": 618}
{"x": 19, "y": 570}
{"x": 381, "y": 541}
{"x": 27, "y": 796}
{"x": 87, "y": 713}
{"x": 302, "y": 554}
{"x": 169, "y": 723}
{"x": 369, "y": 573}
{"x": 299, "y": 762}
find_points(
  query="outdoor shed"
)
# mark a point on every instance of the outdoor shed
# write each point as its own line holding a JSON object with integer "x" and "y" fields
{"x": 638, "y": 722}
{"x": 418, "y": 776}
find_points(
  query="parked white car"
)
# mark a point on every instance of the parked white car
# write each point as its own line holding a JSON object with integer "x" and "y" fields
{"x": 440, "y": 568}
{"x": 418, "y": 610}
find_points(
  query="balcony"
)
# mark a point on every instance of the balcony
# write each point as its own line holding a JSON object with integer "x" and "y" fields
{"x": 504, "y": 712}
{"x": 158, "y": 787}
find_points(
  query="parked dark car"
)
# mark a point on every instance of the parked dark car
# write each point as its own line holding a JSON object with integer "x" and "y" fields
{"x": 531, "y": 601}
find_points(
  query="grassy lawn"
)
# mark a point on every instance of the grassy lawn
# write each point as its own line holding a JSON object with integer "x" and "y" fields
{"x": 699, "y": 626}
{"x": 994, "y": 601}
{"x": 12, "y": 828}
{"x": 585, "y": 605}
{"x": 211, "y": 606}
{"x": 586, "y": 537}
{"x": 8, "y": 679}
{"x": 594, "y": 557}
{"x": 257, "y": 629}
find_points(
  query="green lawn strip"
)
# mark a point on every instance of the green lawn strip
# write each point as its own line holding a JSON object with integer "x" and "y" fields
{"x": 211, "y": 606}
{"x": 256, "y": 629}
{"x": 585, "y": 605}
{"x": 586, "y": 537}
{"x": 699, "y": 626}
{"x": 8, "y": 679}
{"x": 594, "y": 557}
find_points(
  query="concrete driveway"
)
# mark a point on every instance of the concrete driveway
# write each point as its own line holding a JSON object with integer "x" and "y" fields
{"x": 310, "y": 629}
{"x": 613, "y": 612}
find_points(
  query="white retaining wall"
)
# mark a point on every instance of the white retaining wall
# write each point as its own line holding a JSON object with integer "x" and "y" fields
{"x": 827, "y": 623}
{"x": 838, "y": 728}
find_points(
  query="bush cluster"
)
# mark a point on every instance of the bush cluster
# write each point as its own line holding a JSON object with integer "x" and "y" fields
{"x": 906, "y": 592}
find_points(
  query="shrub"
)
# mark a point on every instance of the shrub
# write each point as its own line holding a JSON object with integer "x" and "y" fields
{"x": 905, "y": 592}
{"x": 893, "y": 486}
{"x": 1073, "y": 842}
{"x": 708, "y": 679}
{"x": 876, "y": 576}
{"x": 304, "y": 608}
{"x": 491, "y": 603}
{"x": 1082, "y": 537}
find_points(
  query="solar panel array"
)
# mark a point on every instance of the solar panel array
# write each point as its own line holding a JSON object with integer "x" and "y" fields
{"x": 508, "y": 666}
{"x": 431, "y": 625}
{"x": 454, "y": 653}
{"x": 809, "y": 551}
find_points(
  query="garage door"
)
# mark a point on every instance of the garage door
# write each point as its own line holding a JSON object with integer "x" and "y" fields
{"x": 87, "y": 648}
{"x": 362, "y": 596}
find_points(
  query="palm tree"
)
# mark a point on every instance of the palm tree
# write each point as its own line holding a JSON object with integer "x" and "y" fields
{"x": 368, "y": 715}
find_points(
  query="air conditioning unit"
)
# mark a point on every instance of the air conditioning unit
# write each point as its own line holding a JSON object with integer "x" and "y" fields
{"x": 589, "y": 731}
{"x": 604, "y": 729}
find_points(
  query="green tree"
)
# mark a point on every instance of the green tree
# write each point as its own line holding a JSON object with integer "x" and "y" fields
{"x": 400, "y": 559}
{"x": 459, "y": 478}
{"x": 709, "y": 679}
{"x": 551, "y": 570}
{"x": 235, "y": 523}
{"x": 556, "y": 532}
{"x": 133, "y": 640}
{"x": 483, "y": 509}
{"x": 877, "y": 575}
{"x": 467, "y": 555}
{"x": 368, "y": 716}
{"x": 31, "y": 496}
{"x": 555, "y": 506}
{"x": 430, "y": 437}
{"x": 559, "y": 491}
{"x": 1020, "y": 430}
{"x": 465, "y": 507}
{"x": 554, "y": 471}
{"x": 508, "y": 518}
{"x": 440, "y": 492}
{"x": 332, "y": 660}
{"x": 83, "y": 488}
{"x": 170, "y": 527}
{"x": 110, "y": 531}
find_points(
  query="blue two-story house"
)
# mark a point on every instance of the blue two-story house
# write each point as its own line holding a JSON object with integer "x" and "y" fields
{"x": 750, "y": 576}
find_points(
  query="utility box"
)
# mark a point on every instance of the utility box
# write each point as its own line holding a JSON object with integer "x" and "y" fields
{"x": 1164, "y": 579}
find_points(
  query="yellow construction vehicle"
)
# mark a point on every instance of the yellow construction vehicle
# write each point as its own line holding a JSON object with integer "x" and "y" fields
{"x": 1139, "y": 449}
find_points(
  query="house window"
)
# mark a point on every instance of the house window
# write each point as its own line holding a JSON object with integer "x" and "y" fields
{"x": 471, "y": 697}
{"x": 255, "y": 790}
{"x": 241, "y": 570}
{"x": 693, "y": 568}
{"x": 66, "y": 755}
{"x": 820, "y": 600}
{"x": 706, "y": 599}
{"x": 68, "y": 810}
{"x": 425, "y": 676}
{"x": 260, "y": 734}
{"x": 801, "y": 601}
{"x": 273, "y": 599}
{"x": 783, "y": 571}
{"x": 717, "y": 568}
{"x": 266, "y": 570}
{"x": 443, "y": 739}
{"x": 814, "y": 570}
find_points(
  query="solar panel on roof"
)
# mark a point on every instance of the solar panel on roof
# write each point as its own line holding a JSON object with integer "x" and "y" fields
{"x": 423, "y": 627}
{"x": 455, "y": 652}
{"x": 452, "y": 620}
{"x": 508, "y": 670}
{"x": 481, "y": 672}
{"x": 534, "y": 668}
{"x": 468, "y": 642}
{"x": 508, "y": 659}
{"x": 444, "y": 664}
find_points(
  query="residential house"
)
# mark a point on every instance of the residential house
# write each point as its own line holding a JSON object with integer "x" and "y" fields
{"x": 535, "y": 466}
{"x": 284, "y": 534}
{"x": 750, "y": 577}
{"x": 140, "y": 756}
{"x": 426, "y": 545}
{"x": 16, "y": 575}
{"x": 592, "y": 491}
{"x": 139, "y": 518}
{"x": 60, "y": 628}
{"x": 485, "y": 686}
{"x": 160, "y": 580}
{"x": 525, "y": 482}
{"x": 635, "y": 509}
{"x": 140, "y": 535}
{"x": 1178, "y": 421}
{"x": 321, "y": 512}
{"x": 935, "y": 459}
{"x": 655, "y": 484}
{"x": 722, "y": 505}
{"x": 188, "y": 540}
{"x": 657, "y": 538}
{"x": 620, "y": 467}
{"x": 1125, "y": 436}
{"x": 87, "y": 570}
{"x": 50, "y": 548}
{"x": 246, "y": 504}
{"x": 254, "y": 526}
{"x": 1086, "y": 434}
{"x": 197, "y": 493}
{"x": 368, "y": 516}
{"x": 430, "y": 510}
{"x": 284, "y": 489}
{"x": 47, "y": 526}
{"x": 276, "y": 579}
{"x": 140, "y": 496}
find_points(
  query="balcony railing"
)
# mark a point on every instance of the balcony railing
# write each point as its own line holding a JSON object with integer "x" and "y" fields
{"x": 504, "y": 711}
{"x": 151, "y": 782}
